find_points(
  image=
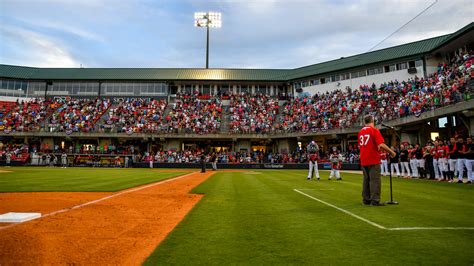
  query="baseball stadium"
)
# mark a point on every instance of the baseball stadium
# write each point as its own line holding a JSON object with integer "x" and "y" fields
{"x": 183, "y": 166}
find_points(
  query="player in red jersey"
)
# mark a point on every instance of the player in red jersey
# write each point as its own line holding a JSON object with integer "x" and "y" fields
{"x": 336, "y": 163}
{"x": 370, "y": 144}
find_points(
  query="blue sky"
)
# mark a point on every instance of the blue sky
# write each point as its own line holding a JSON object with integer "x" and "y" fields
{"x": 255, "y": 33}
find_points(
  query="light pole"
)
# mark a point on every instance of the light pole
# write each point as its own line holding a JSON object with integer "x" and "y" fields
{"x": 207, "y": 20}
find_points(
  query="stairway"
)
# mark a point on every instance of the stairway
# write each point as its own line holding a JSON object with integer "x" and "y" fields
{"x": 168, "y": 108}
{"x": 280, "y": 111}
{"x": 225, "y": 121}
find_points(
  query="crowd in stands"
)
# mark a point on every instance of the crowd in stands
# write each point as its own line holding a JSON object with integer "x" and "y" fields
{"x": 390, "y": 100}
{"x": 248, "y": 114}
{"x": 449, "y": 85}
{"x": 323, "y": 111}
{"x": 77, "y": 115}
{"x": 252, "y": 114}
{"x": 136, "y": 116}
{"x": 25, "y": 116}
{"x": 192, "y": 113}
{"x": 5, "y": 108}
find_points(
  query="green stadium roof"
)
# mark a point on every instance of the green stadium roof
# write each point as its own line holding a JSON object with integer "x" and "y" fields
{"x": 140, "y": 73}
{"x": 388, "y": 54}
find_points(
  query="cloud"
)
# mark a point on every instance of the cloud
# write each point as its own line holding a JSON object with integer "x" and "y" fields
{"x": 264, "y": 33}
{"x": 33, "y": 49}
{"x": 66, "y": 28}
{"x": 311, "y": 31}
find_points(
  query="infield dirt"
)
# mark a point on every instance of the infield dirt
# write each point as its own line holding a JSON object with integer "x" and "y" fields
{"x": 121, "y": 230}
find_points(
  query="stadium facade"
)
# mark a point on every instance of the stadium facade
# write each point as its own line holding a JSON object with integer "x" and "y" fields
{"x": 403, "y": 62}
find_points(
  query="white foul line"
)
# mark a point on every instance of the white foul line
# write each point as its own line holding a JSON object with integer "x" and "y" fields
{"x": 320, "y": 189}
{"x": 342, "y": 210}
{"x": 378, "y": 225}
{"x": 102, "y": 199}
{"x": 429, "y": 228}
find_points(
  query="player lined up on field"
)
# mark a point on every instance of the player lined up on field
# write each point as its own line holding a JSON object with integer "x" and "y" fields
{"x": 443, "y": 160}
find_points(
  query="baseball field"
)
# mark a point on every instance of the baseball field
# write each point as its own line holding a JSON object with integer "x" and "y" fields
{"x": 174, "y": 216}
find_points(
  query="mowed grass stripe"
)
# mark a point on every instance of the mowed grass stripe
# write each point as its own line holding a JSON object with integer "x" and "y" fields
{"x": 35, "y": 179}
{"x": 259, "y": 219}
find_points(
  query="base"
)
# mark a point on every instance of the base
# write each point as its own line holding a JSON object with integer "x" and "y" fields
{"x": 18, "y": 217}
{"x": 391, "y": 202}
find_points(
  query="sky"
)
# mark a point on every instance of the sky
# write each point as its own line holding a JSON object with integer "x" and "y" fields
{"x": 254, "y": 33}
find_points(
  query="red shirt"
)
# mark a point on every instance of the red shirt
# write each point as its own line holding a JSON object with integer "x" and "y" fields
{"x": 446, "y": 151}
{"x": 434, "y": 152}
{"x": 369, "y": 141}
{"x": 442, "y": 152}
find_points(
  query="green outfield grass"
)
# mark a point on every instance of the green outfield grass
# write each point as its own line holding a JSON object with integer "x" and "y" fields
{"x": 29, "y": 179}
{"x": 259, "y": 219}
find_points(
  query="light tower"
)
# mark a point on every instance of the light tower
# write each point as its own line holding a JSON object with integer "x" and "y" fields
{"x": 207, "y": 20}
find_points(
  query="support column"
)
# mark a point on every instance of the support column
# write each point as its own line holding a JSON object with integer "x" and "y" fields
{"x": 243, "y": 144}
{"x": 173, "y": 145}
{"x": 393, "y": 141}
{"x": 283, "y": 146}
{"x": 471, "y": 126}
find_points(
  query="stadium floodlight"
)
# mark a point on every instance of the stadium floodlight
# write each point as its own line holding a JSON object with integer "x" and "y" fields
{"x": 207, "y": 20}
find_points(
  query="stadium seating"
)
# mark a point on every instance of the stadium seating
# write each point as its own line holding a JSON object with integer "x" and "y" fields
{"x": 413, "y": 97}
{"x": 389, "y": 101}
{"x": 136, "y": 116}
{"x": 193, "y": 113}
{"x": 322, "y": 111}
{"x": 252, "y": 114}
{"x": 246, "y": 114}
{"x": 26, "y": 115}
{"x": 78, "y": 115}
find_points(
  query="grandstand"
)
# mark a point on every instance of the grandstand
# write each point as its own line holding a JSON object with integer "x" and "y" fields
{"x": 424, "y": 88}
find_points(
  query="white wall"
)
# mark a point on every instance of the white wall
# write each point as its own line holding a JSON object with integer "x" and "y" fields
{"x": 378, "y": 79}
{"x": 432, "y": 65}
